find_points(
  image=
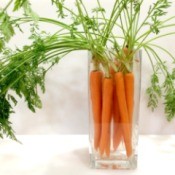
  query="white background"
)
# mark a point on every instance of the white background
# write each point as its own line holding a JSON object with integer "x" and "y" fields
{"x": 65, "y": 103}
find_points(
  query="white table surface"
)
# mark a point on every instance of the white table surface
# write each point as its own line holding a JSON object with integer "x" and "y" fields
{"x": 68, "y": 155}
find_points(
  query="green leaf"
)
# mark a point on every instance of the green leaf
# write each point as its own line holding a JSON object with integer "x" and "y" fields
{"x": 170, "y": 105}
{"x": 18, "y": 4}
{"x": 29, "y": 12}
{"x": 6, "y": 27}
{"x": 60, "y": 6}
{"x": 154, "y": 91}
{"x": 25, "y": 4}
{"x": 98, "y": 9}
{"x": 2, "y": 44}
{"x": 10, "y": 97}
{"x": 5, "y": 124}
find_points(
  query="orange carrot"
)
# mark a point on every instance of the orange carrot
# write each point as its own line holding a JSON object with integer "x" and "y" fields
{"x": 106, "y": 113}
{"x": 117, "y": 130}
{"x": 107, "y": 149}
{"x": 116, "y": 118}
{"x": 129, "y": 91}
{"x": 120, "y": 91}
{"x": 96, "y": 99}
{"x": 118, "y": 136}
{"x": 126, "y": 51}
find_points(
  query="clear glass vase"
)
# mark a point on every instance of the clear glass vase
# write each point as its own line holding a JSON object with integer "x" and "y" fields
{"x": 114, "y": 141}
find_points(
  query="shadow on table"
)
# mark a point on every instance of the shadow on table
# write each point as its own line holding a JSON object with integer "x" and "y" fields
{"x": 83, "y": 155}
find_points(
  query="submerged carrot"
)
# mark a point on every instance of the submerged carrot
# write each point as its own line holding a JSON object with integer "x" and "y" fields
{"x": 117, "y": 130}
{"x": 108, "y": 145}
{"x": 106, "y": 113}
{"x": 129, "y": 91}
{"x": 96, "y": 98}
{"x": 120, "y": 91}
{"x": 117, "y": 134}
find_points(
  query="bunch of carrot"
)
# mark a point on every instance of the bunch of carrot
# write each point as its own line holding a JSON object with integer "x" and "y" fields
{"x": 112, "y": 98}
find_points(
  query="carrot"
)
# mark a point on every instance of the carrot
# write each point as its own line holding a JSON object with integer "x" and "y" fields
{"x": 107, "y": 149}
{"x": 117, "y": 136}
{"x": 129, "y": 91}
{"x": 96, "y": 99}
{"x": 117, "y": 130}
{"x": 126, "y": 51}
{"x": 120, "y": 91}
{"x": 106, "y": 113}
{"x": 116, "y": 118}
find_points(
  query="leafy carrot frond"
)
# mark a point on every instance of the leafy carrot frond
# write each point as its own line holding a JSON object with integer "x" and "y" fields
{"x": 154, "y": 91}
{"x": 25, "y": 4}
{"x": 60, "y": 6}
{"x": 18, "y": 4}
{"x": 6, "y": 28}
{"x": 5, "y": 124}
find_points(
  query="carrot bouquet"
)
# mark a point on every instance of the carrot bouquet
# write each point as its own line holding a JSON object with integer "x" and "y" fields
{"x": 112, "y": 103}
{"x": 113, "y": 39}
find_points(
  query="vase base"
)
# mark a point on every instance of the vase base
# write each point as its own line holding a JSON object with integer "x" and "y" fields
{"x": 115, "y": 162}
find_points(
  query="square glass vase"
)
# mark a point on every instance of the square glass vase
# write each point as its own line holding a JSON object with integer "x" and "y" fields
{"x": 114, "y": 115}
